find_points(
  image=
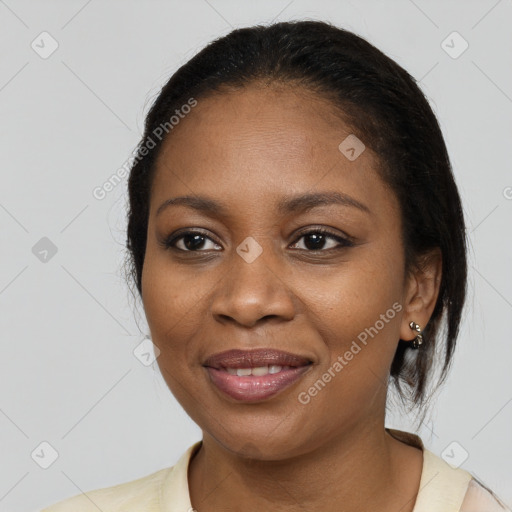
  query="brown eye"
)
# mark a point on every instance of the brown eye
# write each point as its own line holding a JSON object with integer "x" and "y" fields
{"x": 316, "y": 239}
{"x": 189, "y": 241}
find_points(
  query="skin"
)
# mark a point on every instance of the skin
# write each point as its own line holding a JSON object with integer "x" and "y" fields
{"x": 249, "y": 149}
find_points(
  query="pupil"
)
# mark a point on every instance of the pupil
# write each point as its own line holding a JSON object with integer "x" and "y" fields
{"x": 198, "y": 241}
{"x": 318, "y": 240}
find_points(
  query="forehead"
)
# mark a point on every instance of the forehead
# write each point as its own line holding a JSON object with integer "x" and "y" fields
{"x": 289, "y": 122}
{"x": 259, "y": 144}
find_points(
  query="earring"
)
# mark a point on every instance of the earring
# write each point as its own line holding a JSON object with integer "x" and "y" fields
{"x": 416, "y": 342}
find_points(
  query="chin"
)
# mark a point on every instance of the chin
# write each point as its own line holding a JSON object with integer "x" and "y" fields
{"x": 263, "y": 446}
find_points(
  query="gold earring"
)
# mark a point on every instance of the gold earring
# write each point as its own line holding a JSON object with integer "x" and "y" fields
{"x": 416, "y": 342}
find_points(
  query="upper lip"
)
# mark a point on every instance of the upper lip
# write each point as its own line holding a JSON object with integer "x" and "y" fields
{"x": 254, "y": 358}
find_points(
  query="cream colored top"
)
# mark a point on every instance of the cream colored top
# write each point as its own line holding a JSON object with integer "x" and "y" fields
{"x": 442, "y": 489}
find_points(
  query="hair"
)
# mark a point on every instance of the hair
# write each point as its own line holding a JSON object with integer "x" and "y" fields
{"x": 384, "y": 107}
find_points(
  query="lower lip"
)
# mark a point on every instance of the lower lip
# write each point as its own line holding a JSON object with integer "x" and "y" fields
{"x": 253, "y": 388}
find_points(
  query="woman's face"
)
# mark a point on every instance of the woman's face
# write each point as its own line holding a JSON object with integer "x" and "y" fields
{"x": 255, "y": 279}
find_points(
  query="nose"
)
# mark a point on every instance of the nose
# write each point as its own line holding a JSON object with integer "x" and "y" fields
{"x": 253, "y": 292}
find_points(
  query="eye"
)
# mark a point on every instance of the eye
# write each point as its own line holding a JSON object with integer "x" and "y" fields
{"x": 188, "y": 241}
{"x": 315, "y": 240}
{"x": 197, "y": 241}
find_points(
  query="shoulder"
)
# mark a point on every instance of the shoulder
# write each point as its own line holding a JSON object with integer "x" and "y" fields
{"x": 139, "y": 494}
{"x": 149, "y": 493}
{"x": 480, "y": 499}
{"x": 444, "y": 487}
{"x": 135, "y": 495}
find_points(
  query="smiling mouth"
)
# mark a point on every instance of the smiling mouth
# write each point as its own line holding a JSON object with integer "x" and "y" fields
{"x": 255, "y": 375}
{"x": 259, "y": 371}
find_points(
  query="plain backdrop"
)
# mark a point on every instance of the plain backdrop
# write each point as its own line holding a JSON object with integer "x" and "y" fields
{"x": 70, "y": 119}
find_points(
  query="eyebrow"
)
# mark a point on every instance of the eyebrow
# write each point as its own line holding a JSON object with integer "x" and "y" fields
{"x": 295, "y": 204}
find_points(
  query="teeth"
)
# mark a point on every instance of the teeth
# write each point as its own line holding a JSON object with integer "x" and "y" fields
{"x": 258, "y": 371}
{"x": 261, "y": 370}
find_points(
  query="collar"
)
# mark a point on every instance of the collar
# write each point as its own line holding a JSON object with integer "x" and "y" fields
{"x": 442, "y": 488}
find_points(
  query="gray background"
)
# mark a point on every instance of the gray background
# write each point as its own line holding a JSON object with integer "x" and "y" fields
{"x": 69, "y": 326}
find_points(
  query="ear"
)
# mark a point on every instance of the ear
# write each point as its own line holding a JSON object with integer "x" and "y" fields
{"x": 421, "y": 292}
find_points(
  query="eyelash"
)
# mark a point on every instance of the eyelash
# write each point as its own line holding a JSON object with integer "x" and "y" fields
{"x": 169, "y": 243}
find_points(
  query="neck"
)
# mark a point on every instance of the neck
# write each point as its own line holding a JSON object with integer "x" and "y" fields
{"x": 365, "y": 468}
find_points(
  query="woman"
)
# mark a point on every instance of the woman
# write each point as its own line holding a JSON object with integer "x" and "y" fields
{"x": 296, "y": 236}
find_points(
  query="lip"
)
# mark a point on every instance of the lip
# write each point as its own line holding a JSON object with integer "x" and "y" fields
{"x": 254, "y": 358}
{"x": 255, "y": 388}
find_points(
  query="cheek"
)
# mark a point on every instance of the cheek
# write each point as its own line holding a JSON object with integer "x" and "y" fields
{"x": 171, "y": 304}
{"x": 357, "y": 313}
{"x": 345, "y": 303}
